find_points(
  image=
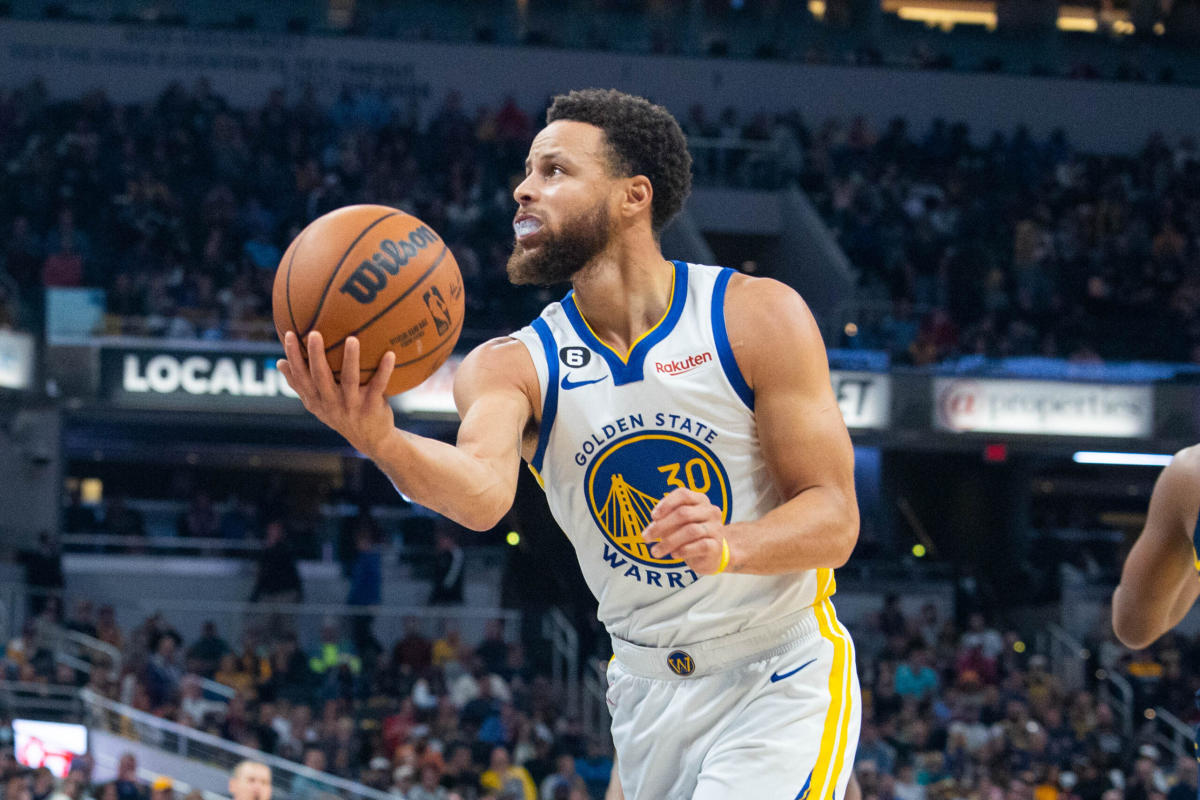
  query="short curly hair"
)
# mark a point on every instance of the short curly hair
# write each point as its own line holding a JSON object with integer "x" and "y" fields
{"x": 643, "y": 139}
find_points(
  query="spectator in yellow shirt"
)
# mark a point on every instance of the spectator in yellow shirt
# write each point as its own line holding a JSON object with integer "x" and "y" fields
{"x": 502, "y": 776}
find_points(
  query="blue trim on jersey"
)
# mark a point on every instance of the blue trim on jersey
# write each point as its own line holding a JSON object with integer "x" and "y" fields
{"x": 724, "y": 349}
{"x": 1196, "y": 548}
{"x": 630, "y": 370}
{"x": 550, "y": 406}
{"x": 803, "y": 793}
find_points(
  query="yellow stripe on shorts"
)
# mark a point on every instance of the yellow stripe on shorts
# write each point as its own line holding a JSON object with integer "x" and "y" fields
{"x": 826, "y": 584}
{"x": 837, "y": 719}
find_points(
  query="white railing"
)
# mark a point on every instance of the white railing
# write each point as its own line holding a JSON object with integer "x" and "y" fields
{"x": 1173, "y": 733}
{"x": 189, "y": 743}
{"x": 158, "y": 545}
{"x": 38, "y": 699}
{"x": 564, "y": 661}
{"x": 1120, "y": 696}
{"x": 1067, "y": 657}
{"x": 84, "y": 645}
{"x": 594, "y": 712}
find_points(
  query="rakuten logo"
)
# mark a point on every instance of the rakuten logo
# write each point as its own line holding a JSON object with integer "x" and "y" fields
{"x": 678, "y": 367}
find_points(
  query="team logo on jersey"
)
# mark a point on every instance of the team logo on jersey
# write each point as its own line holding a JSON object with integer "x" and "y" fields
{"x": 630, "y": 475}
{"x": 575, "y": 356}
{"x": 681, "y": 663}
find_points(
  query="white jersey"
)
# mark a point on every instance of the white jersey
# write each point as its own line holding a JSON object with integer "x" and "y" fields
{"x": 619, "y": 433}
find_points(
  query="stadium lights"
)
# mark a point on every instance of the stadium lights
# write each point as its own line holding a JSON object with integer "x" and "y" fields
{"x": 1122, "y": 459}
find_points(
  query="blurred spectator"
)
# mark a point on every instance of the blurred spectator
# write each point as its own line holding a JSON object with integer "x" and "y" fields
{"x": 121, "y": 520}
{"x": 413, "y": 650}
{"x": 106, "y": 628}
{"x": 278, "y": 578}
{"x": 987, "y": 639}
{"x": 17, "y": 786}
{"x": 43, "y": 784}
{"x": 563, "y": 777}
{"x": 915, "y": 677}
{"x": 503, "y": 777}
{"x": 493, "y": 650}
{"x": 429, "y": 787}
{"x": 163, "y": 788}
{"x": 205, "y": 653}
{"x": 200, "y": 518}
{"x": 128, "y": 786}
{"x": 192, "y": 702}
{"x": 366, "y": 589}
{"x": 83, "y": 619}
{"x": 447, "y": 572}
{"x": 251, "y": 780}
{"x": 43, "y": 570}
{"x": 74, "y": 786}
{"x": 163, "y": 670}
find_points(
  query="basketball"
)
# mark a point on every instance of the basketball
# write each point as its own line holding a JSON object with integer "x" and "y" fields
{"x": 379, "y": 274}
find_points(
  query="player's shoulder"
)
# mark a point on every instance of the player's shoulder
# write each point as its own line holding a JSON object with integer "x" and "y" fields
{"x": 497, "y": 364}
{"x": 500, "y": 355}
{"x": 1185, "y": 464}
{"x": 754, "y": 290}
{"x": 757, "y": 306}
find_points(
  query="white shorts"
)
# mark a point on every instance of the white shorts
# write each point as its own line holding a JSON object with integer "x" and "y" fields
{"x": 767, "y": 714}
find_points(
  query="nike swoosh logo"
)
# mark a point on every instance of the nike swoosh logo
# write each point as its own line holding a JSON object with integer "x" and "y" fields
{"x": 567, "y": 383}
{"x": 776, "y": 677}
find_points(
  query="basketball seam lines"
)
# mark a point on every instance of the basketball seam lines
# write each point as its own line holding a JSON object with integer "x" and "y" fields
{"x": 415, "y": 285}
{"x": 338, "y": 268}
{"x": 287, "y": 289}
{"x": 441, "y": 344}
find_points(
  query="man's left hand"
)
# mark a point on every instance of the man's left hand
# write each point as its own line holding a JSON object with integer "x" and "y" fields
{"x": 687, "y": 526}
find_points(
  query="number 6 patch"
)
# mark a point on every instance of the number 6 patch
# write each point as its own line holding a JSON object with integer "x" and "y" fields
{"x": 575, "y": 356}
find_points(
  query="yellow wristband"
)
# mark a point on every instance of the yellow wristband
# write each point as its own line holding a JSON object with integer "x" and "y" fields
{"x": 724, "y": 556}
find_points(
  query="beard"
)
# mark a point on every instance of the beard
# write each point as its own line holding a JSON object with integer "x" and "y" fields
{"x": 562, "y": 255}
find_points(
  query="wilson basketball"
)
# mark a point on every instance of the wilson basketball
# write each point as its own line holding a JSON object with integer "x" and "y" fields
{"x": 379, "y": 274}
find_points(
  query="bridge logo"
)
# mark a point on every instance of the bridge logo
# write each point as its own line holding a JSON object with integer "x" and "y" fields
{"x": 628, "y": 477}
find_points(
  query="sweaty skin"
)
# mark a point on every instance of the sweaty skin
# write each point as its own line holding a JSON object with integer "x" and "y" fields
{"x": 1159, "y": 583}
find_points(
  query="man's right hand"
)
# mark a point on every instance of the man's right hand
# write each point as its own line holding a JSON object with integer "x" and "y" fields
{"x": 359, "y": 413}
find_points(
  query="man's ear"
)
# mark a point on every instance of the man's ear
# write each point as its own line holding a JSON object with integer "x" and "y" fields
{"x": 639, "y": 194}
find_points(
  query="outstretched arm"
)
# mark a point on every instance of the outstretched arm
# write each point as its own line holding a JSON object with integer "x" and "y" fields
{"x": 472, "y": 482}
{"x": 1159, "y": 583}
{"x": 804, "y": 441}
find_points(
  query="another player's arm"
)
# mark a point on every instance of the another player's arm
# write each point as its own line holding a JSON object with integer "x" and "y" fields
{"x": 614, "y": 792}
{"x": 1159, "y": 583}
{"x": 473, "y": 482}
{"x": 778, "y": 348}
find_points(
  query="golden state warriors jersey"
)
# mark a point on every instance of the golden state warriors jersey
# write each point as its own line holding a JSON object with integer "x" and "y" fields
{"x": 619, "y": 432}
{"x": 1196, "y": 545}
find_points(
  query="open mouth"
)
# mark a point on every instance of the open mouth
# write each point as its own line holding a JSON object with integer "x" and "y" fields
{"x": 526, "y": 227}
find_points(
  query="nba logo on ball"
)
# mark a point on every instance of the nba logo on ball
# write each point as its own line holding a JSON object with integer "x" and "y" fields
{"x": 681, "y": 663}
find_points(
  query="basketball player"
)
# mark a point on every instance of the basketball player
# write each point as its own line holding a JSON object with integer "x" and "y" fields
{"x": 1159, "y": 582}
{"x": 251, "y": 780}
{"x": 681, "y": 421}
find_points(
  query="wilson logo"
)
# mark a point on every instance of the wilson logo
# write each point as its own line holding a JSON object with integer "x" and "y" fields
{"x": 366, "y": 282}
{"x": 680, "y": 366}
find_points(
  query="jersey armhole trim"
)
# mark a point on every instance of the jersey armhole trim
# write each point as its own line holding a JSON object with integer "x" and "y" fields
{"x": 550, "y": 403}
{"x": 721, "y": 336}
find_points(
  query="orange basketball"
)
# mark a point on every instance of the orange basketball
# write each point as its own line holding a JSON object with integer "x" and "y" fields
{"x": 379, "y": 274}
